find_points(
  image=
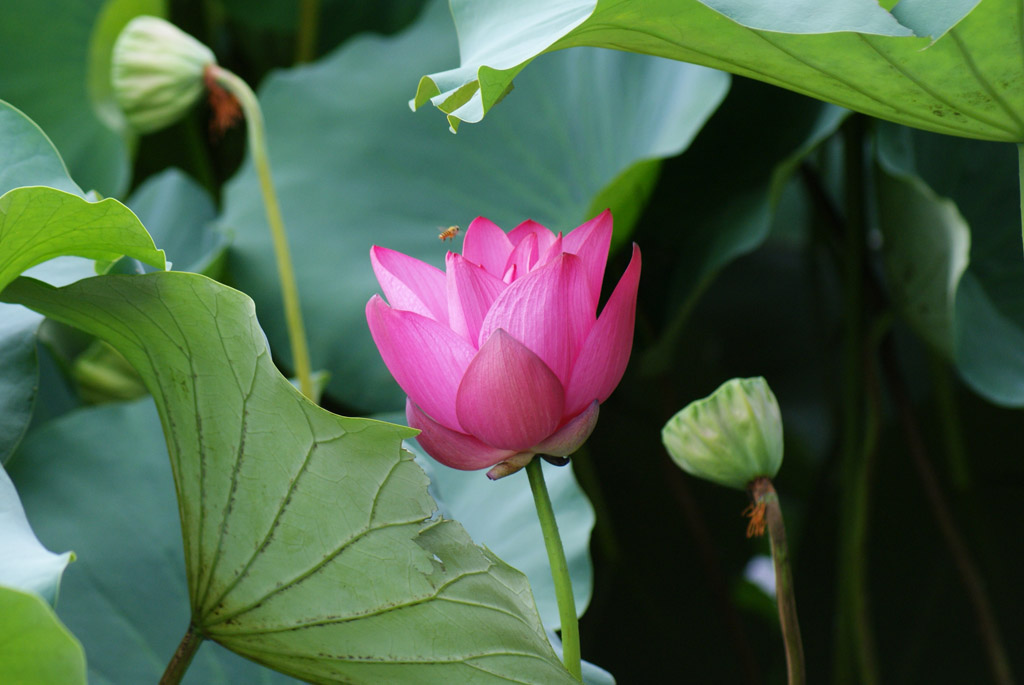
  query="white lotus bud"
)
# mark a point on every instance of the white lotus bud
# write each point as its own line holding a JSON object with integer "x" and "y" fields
{"x": 157, "y": 72}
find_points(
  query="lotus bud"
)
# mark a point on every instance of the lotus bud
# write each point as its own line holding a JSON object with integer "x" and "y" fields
{"x": 157, "y": 72}
{"x": 731, "y": 437}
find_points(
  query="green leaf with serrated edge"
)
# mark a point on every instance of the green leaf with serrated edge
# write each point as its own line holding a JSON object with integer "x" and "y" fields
{"x": 309, "y": 542}
{"x": 24, "y": 563}
{"x": 951, "y": 68}
{"x": 34, "y": 646}
{"x": 126, "y": 596}
{"x": 354, "y": 172}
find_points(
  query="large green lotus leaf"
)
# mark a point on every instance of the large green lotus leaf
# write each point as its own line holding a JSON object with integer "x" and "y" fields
{"x": 126, "y": 595}
{"x": 55, "y": 66}
{"x": 974, "y": 182}
{"x": 934, "y": 69}
{"x": 24, "y": 563}
{"x": 354, "y": 168}
{"x": 310, "y": 544}
{"x": 34, "y": 646}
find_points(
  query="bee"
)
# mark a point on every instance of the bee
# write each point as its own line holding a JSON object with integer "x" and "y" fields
{"x": 448, "y": 233}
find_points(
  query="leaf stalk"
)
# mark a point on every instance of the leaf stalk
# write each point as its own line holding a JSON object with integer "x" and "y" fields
{"x": 183, "y": 655}
{"x": 286, "y": 273}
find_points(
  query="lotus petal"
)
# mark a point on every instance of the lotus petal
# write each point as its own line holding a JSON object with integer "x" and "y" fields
{"x": 471, "y": 292}
{"x": 544, "y": 235}
{"x": 572, "y": 435}
{"x": 604, "y": 356}
{"x": 487, "y": 245}
{"x": 410, "y": 284}
{"x": 549, "y": 310}
{"x": 426, "y": 358}
{"x": 553, "y": 251}
{"x": 590, "y": 241}
{"x": 451, "y": 448}
{"x": 524, "y": 255}
{"x": 508, "y": 397}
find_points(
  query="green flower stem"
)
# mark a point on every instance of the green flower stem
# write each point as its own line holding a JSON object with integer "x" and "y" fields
{"x": 309, "y": 24}
{"x": 763, "y": 494}
{"x": 289, "y": 290}
{"x": 856, "y": 659}
{"x": 182, "y": 657}
{"x": 559, "y": 569}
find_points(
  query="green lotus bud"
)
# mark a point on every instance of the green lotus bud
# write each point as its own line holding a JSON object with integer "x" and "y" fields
{"x": 157, "y": 72}
{"x": 731, "y": 437}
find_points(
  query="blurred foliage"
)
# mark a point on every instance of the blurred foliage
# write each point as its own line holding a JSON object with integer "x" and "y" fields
{"x": 748, "y": 269}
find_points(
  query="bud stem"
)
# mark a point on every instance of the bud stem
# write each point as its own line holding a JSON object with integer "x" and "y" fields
{"x": 289, "y": 290}
{"x": 559, "y": 569}
{"x": 763, "y": 494}
{"x": 309, "y": 18}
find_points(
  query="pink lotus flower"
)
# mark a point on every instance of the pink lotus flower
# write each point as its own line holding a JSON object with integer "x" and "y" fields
{"x": 503, "y": 356}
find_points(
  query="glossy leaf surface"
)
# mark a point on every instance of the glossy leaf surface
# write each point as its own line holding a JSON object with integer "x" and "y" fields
{"x": 127, "y": 586}
{"x": 950, "y": 69}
